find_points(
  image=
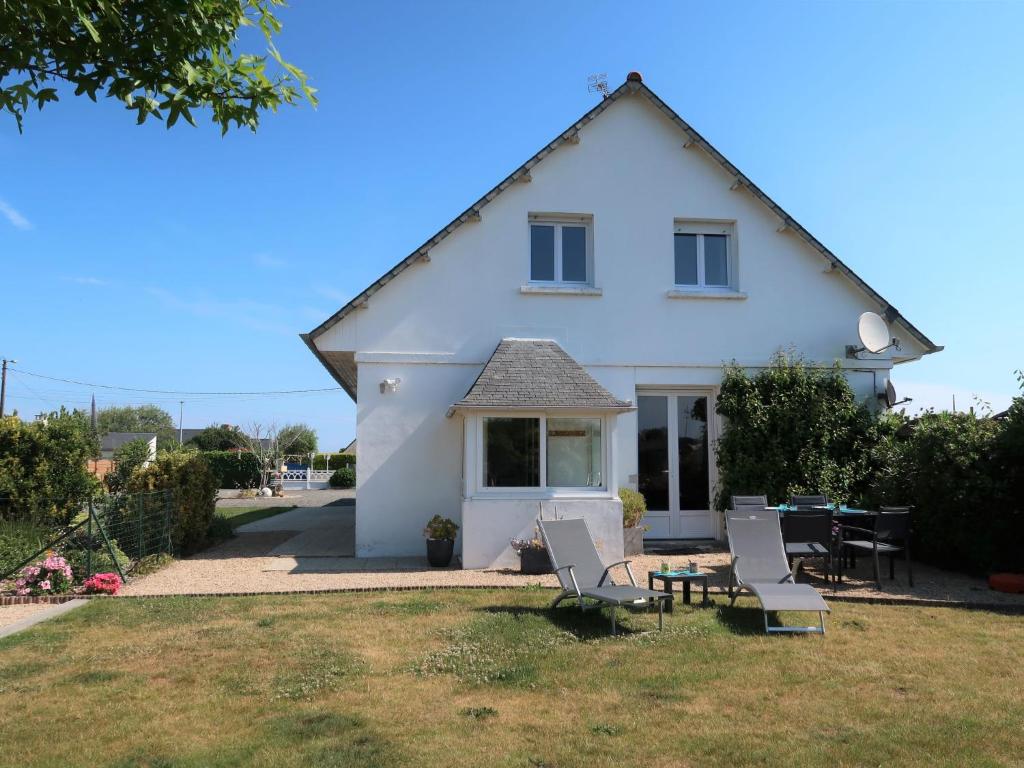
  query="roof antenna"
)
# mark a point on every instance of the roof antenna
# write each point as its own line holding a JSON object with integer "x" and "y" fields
{"x": 598, "y": 84}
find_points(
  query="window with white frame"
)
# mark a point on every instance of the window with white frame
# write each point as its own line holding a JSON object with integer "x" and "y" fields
{"x": 704, "y": 255}
{"x": 570, "y": 455}
{"x": 560, "y": 249}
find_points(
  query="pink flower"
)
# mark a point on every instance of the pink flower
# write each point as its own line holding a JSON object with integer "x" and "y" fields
{"x": 22, "y": 592}
{"x": 44, "y": 584}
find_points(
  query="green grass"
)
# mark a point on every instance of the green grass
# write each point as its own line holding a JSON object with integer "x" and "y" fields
{"x": 241, "y": 515}
{"x": 470, "y": 678}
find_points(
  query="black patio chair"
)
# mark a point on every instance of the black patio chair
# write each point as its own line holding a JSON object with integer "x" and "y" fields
{"x": 891, "y": 536}
{"x": 808, "y": 535}
{"x": 807, "y": 501}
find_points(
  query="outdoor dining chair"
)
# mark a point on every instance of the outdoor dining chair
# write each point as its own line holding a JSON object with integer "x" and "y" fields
{"x": 747, "y": 500}
{"x": 759, "y": 565}
{"x": 584, "y": 577}
{"x": 891, "y": 536}
{"x": 808, "y": 535}
{"x": 807, "y": 501}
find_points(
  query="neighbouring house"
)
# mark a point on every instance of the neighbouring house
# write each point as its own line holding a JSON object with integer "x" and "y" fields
{"x": 566, "y": 335}
{"x": 110, "y": 442}
{"x": 350, "y": 448}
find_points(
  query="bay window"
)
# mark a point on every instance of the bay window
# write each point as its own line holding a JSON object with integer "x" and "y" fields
{"x": 541, "y": 452}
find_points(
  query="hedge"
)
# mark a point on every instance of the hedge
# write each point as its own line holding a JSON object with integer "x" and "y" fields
{"x": 233, "y": 469}
{"x": 188, "y": 474}
{"x": 337, "y": 460}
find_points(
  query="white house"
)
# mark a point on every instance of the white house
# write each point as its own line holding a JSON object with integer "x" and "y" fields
{"x": 566, "y": 335}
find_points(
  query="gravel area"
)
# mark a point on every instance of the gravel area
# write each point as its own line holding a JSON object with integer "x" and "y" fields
{"x": 244, "y": 565}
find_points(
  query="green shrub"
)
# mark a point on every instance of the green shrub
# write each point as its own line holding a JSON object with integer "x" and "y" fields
{"x": 441, "y": 528}
{"x": 188, "y": 475}
{"x": 220, "y": 529}
{"x": 233, "y": 469}
{"x": 634, "y": 507}
{"x": 20, "y": 540}
{"x": 76, "y": 551}
{"x": 127, "y": 458}
{"x": 44, "y": 472}
{"x": 343, "y": 478}
{"x": 337, "y": 460}
{"x": 952, "y": 468}
{"x": 792, "y": 428}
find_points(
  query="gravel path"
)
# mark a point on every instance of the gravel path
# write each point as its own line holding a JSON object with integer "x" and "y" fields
{"x": 245, "y": 565}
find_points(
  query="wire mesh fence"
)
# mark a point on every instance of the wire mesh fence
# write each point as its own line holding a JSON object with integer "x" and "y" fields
{"x": 108, "y": 535}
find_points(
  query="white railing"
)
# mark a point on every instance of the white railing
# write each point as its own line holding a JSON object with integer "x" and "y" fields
{"x": 307, "y": 478}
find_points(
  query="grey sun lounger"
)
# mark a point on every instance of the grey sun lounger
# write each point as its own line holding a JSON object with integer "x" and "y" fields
{"x": 582, "y": 574}
{"x": 759, "y": 565}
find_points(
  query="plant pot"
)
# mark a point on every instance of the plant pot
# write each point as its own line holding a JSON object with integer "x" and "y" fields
{"x": 632, "y": 541}
{"x": 534, "y": 561}
{"x": 440, "y": 551}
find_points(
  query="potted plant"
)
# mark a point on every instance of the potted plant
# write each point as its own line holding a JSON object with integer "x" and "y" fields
{"x": 440, "y": 534}
{"x": 634, "y": 508}
{"x": 533, "y": 555}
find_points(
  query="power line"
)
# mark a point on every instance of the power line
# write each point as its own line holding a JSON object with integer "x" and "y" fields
{"x": 175, "y": 391}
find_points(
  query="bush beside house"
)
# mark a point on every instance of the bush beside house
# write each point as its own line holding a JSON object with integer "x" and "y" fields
{"x": 793, "y": 428}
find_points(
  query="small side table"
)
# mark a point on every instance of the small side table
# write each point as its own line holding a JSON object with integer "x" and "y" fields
{"x": 670, "y": 578}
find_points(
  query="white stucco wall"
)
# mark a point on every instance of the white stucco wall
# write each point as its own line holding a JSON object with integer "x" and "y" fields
{"x": 436, "y": 324}
{"x": 489, "y": 524}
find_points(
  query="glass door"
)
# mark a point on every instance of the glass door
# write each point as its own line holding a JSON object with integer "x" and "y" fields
{"x": 674, "y": 468}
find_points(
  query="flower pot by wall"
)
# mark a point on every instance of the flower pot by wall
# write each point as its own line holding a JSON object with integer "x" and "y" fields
{"x": 632, "y": 541}
{"x": 534, "y": 561}
{"x": 439, "y": 552}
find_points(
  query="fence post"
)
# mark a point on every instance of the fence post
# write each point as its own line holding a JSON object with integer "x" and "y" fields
{"x": 141, "y": 548}
{"x": 110, "y": 547}
{"x": 88, "y": 550}
{"x": 309, "y": 471}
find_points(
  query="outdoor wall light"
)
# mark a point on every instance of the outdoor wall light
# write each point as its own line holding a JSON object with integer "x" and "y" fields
{"x": 390, "y": 385}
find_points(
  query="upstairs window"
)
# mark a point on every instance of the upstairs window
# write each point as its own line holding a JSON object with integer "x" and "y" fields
{"x": 704, "y": 256}
{"x": 560, "y": 250}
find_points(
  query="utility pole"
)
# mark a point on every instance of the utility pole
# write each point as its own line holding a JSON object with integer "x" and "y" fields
{"x": 181, "y": 411}
{"x": 3, "y": 384}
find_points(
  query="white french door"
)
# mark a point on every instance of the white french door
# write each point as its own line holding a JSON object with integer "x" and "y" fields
{"x": 674, "y": 461}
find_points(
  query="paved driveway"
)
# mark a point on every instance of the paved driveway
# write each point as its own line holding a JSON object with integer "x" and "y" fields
{"x": 317, "y": 531}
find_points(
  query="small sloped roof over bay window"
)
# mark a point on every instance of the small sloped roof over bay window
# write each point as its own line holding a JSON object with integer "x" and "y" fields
{"x": 538, "y": 375}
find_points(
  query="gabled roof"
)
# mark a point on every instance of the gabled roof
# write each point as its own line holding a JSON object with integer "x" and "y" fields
{"x": 114, "y": 440}
{"x": 537, "y": 374}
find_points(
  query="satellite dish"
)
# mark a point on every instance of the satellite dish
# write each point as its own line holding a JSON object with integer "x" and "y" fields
{"x": 890, "y": 396}
{"x": 873, "y": 332}
{"x": 874, "y": 335}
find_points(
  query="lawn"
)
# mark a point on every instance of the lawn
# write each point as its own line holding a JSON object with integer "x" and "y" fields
{"x": 473, "y": 678}
{"x": 241, "y": 515}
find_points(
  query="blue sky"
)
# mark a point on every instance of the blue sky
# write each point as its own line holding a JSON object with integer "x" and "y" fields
{"x": 178, "y": 259}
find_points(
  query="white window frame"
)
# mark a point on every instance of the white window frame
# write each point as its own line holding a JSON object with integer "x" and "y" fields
{"x": 701, "y": 228}
{"x": 558, "y": 220}
{"x": 543, "y": 490}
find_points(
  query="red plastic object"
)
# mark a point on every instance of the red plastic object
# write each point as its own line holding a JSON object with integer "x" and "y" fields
{"x": 1007, "y": 582}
